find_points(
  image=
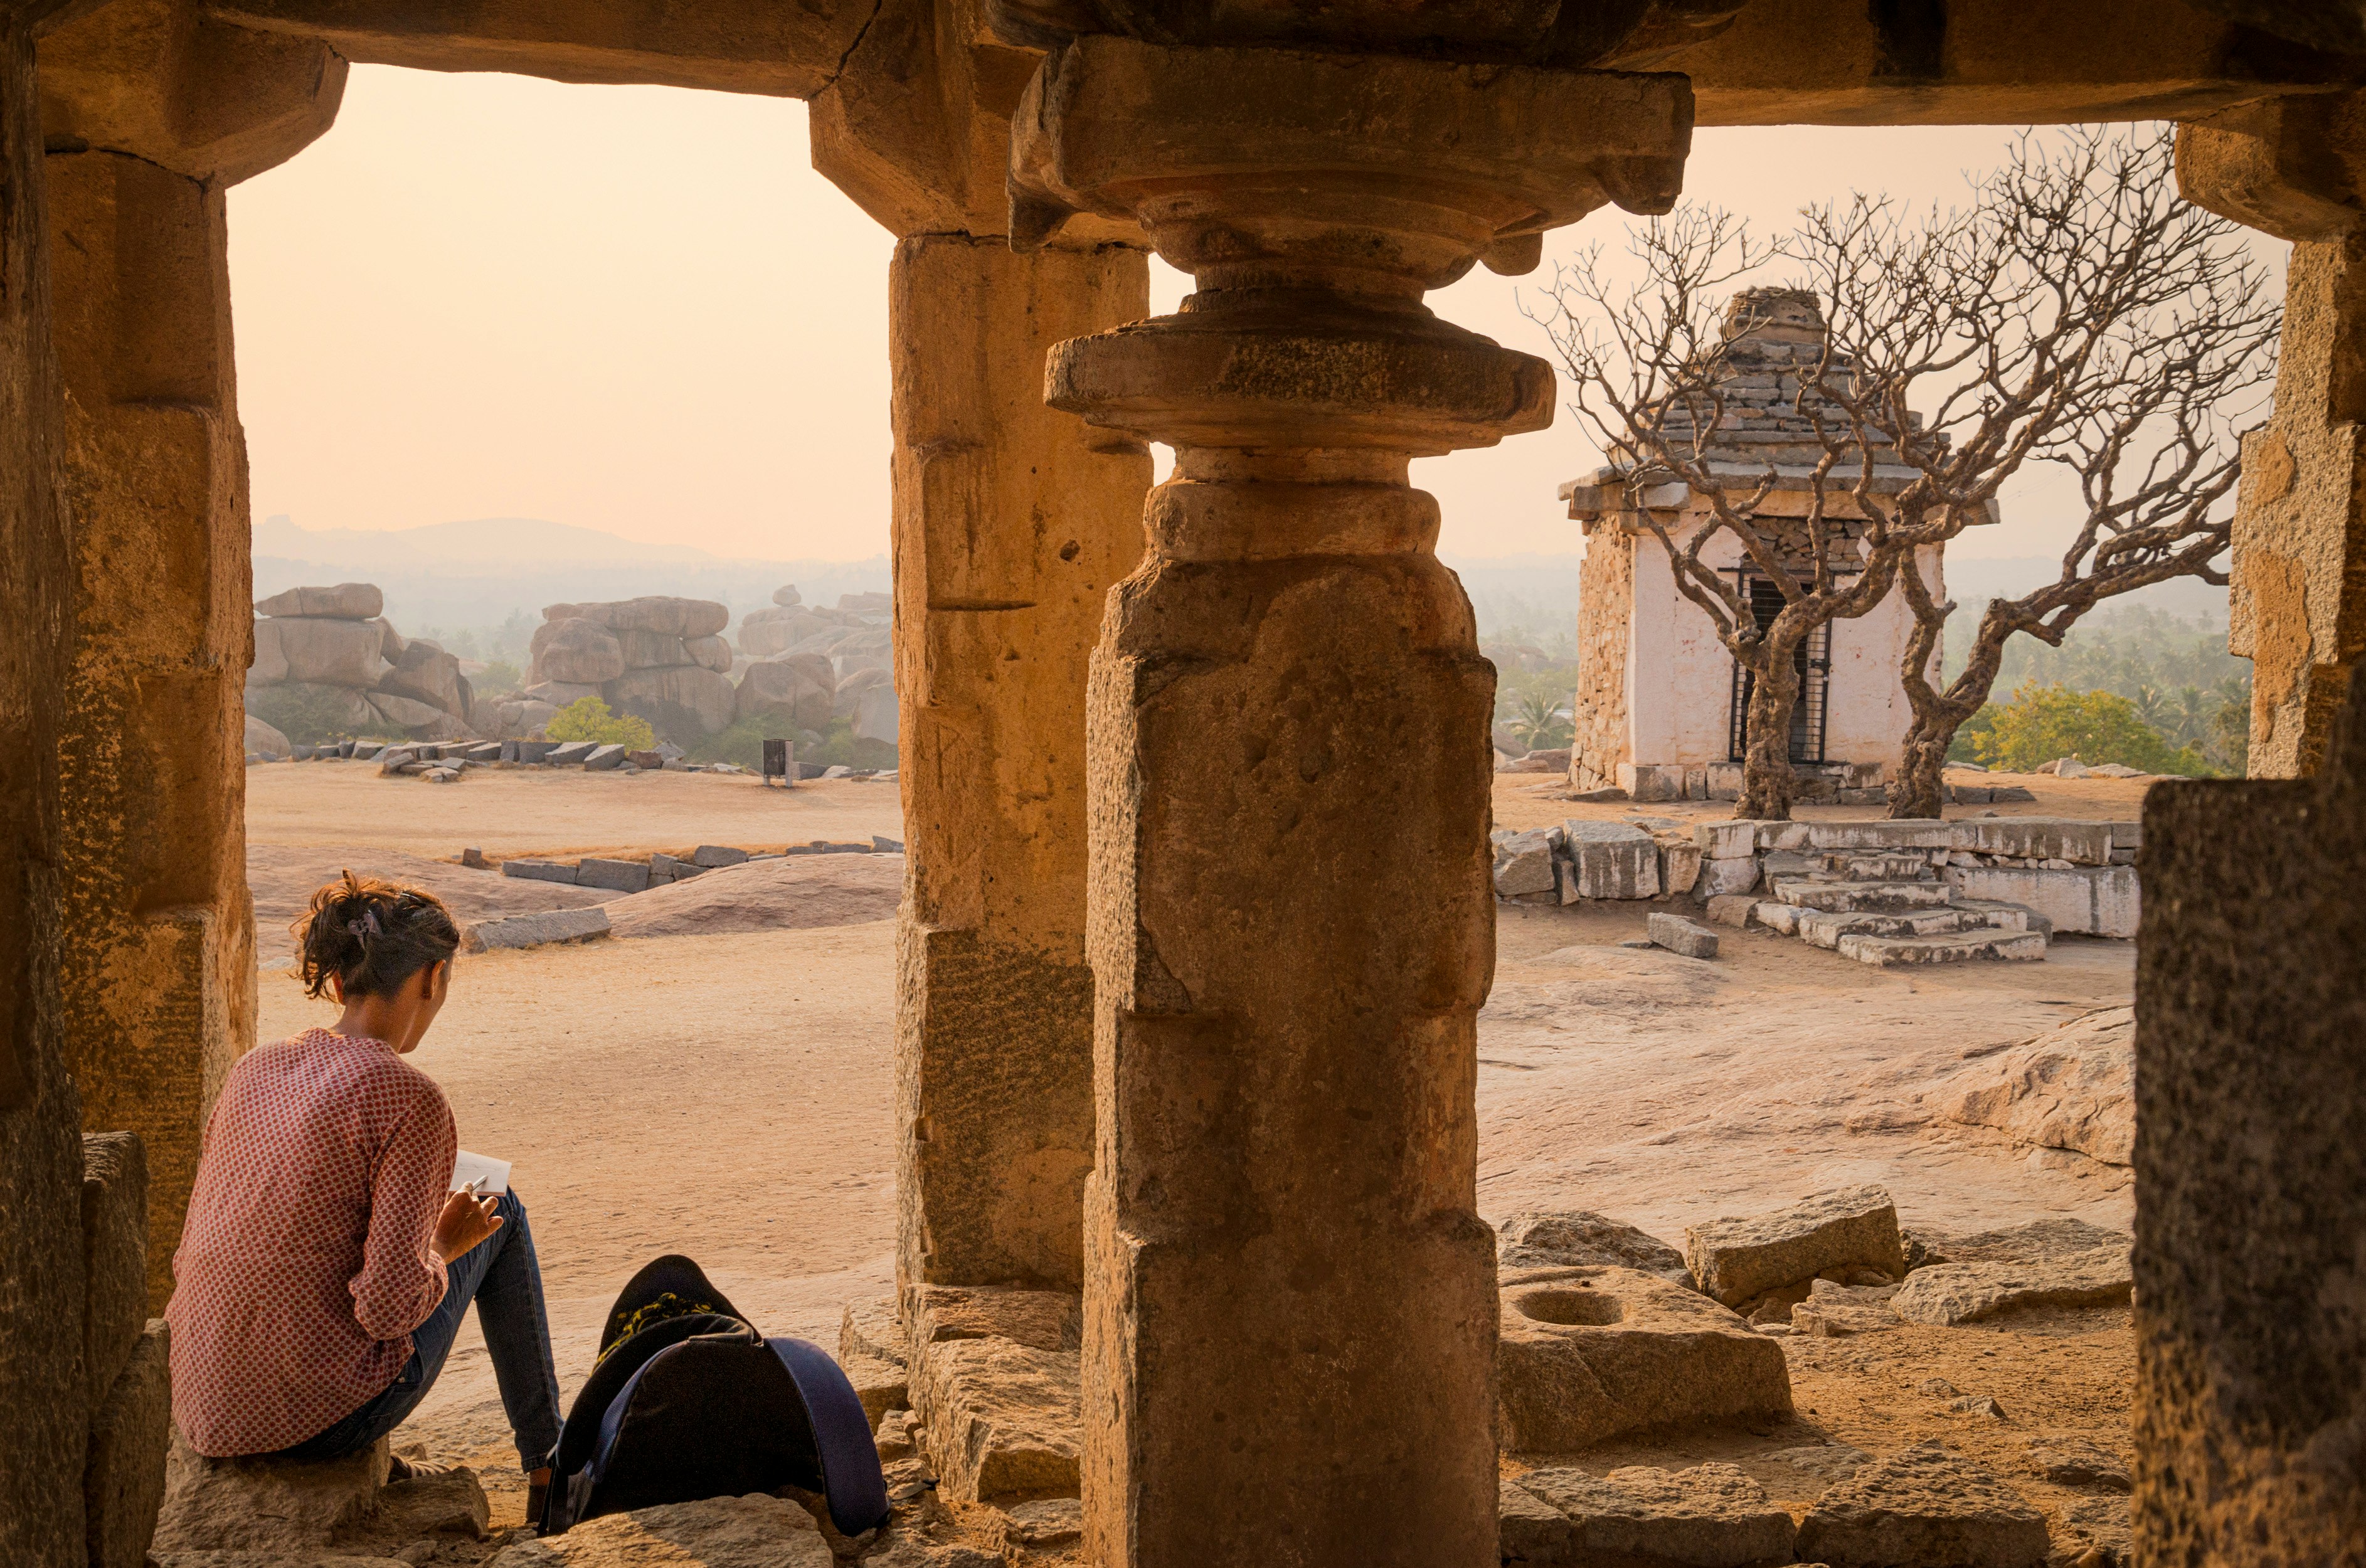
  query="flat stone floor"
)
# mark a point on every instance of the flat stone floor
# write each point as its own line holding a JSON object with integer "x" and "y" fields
{"x": 728, "y": 1096}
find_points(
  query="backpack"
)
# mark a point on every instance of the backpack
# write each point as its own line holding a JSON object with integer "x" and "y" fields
{"x": 688, "y": 1400}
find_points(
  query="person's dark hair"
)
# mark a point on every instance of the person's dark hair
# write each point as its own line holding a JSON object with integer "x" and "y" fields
{"x": 371, "y": 936}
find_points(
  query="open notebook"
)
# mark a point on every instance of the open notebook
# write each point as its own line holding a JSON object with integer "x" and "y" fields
{"x": 494, "y": 1174}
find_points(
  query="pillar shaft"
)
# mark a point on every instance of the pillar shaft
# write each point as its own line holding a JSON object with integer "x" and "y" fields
{"x": 2298, "y": 604}
{"x": 43, "y": 1398}
{"x": 1012, "y": 524}
{"x": 1289, "y": 1304}
{"x": 157, "y": 962}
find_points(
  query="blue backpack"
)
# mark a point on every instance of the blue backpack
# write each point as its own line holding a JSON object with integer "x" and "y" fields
{"x": 688, "y": 1400}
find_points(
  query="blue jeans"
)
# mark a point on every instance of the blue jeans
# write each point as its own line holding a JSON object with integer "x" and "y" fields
{"x": 500, "y": 1276}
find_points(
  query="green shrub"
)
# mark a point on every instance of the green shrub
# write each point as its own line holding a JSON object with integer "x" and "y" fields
{"x": 499, "y": 679}
{"x": 588, "y": 718}
{"x": 2042, "y": 723}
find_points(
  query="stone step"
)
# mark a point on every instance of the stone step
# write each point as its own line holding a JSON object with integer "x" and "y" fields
{"x": 1897, "y": 952}
{"x": 1839, "y": 898}
{"x": 1820, "y": 928}
{"x": 1904, "y": 865}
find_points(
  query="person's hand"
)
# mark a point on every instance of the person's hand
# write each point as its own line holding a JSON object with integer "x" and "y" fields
{"x": 467, "y": 1220}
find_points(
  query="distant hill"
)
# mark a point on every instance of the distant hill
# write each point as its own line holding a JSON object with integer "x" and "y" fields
{"x": 478, "y": 572}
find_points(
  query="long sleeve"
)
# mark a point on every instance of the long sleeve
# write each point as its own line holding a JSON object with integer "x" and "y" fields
{"x": 400, "y": 1282}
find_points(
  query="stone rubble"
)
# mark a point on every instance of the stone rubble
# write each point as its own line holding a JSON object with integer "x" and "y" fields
{"x": 754, "y": 1531}
{"x": 1576, "y": 1239}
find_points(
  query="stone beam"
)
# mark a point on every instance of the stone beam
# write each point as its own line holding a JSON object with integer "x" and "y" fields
{"x": 159, "y": 80}
{"x": 1289, "y": 1315}
{"x": 2250, "y": 1090}
{"x": 1012, "y": 524}
{"x": 43, "y": 1414}
{"x": 1986, "y": 62}
{"x": 734, "y": 46}
{"x": 2298, "y": 605}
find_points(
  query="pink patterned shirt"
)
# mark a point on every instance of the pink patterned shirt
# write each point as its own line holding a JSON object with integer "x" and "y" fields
{"x": 304, "y": 1264}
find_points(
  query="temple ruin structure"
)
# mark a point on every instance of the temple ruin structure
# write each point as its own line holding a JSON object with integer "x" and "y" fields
{"x": 1198, "y": 917}
{"x": 1660, "y": 700}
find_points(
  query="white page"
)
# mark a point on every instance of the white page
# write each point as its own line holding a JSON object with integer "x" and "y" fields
{"x": 494, "y": 1173}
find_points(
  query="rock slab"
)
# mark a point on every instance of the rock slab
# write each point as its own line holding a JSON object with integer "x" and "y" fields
{"x": 1682, "y": 936}
{"x": 1927, "y": 1509}
{"x": 754, "y": 1531}
{"x": 123, "y": 1479}
{"x": 1946, "y": 1294}
{"x": 247, "y": 1504}
{"x": 538, "y": 929}
{"x": 1712, "y": 1515}
{"x": 1577, "y": 1237}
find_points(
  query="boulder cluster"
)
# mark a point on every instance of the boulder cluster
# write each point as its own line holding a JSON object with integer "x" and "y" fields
{"x": 336, "y": 647}
{"x": 854, "y": 641}
{"x": 660, "y": 658}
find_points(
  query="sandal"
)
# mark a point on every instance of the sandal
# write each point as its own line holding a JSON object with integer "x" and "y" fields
{"x": 537, "y": 1491}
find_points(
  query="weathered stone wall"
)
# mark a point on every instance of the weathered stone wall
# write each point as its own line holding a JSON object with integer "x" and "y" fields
{"x": 1012, "y": 523}
{"x": 2250, "y": 1172}
{"x": 43, "y": 1418}
{"x": 158, "y": 966}
{"x": 2298, "y": 604}
{"x": 1605, "y": 603}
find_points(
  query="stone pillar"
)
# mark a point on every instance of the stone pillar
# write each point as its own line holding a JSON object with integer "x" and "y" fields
{"x": 2251, "y": 1247}
{"x": 2298, "y": 604}
{"x": 44, "y": 1397}
{"x": 159, "y": 959}
{"x": 1290, "y": 1306}
{"x": 1012, "y": 522}
{"x": 151, "y": 112}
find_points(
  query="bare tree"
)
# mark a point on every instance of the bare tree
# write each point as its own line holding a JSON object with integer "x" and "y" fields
{"x": 1681, "y": 384}
{"x": 2076, "y": 313}
{"x": 2088, "y": 319}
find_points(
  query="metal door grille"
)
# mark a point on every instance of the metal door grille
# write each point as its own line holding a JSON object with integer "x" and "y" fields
{"x": 1814, "y": 662}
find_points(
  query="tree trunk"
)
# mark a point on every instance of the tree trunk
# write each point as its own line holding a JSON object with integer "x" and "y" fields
{"x": 1768, "y": 786}
{"x": 1917, "y": 790}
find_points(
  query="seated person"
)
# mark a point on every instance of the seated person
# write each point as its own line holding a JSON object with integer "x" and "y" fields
{"x": 325, "y": 1262}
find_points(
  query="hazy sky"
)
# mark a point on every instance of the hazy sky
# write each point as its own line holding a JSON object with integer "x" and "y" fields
{"x": 638, "y": 308}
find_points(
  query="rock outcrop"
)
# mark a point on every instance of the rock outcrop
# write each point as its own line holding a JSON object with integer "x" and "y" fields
{"x": 844, "y": 659}
{"x": 2073, "y": 1088}
{"x": 660, "y": 658}
{"x": 328, "y": 659}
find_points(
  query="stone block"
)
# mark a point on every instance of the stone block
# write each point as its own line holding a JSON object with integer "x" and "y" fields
{"x": 1585, "y": 1354}
{"x": 624, "y": 875}
{"x": 131, "y": 1429}
{"x": 1652, "y": 781}
{"x": 994, "y": 1377}
{"x": 533, "y": 751}
{"x": 1834, "y": 1310}
{"x": 1712, "y": 1515}
{"x": 754, "y": 1531}
{"x": 2034, "y": 838}
{"x": 538, "y": 929}
{"x": 712, "y": 855}
{"x": 1524, "y": 861}
{"x": 1927, "y": 1507}
{"x": 1735, "y": 839}
{"x": 2101, "y": 900}
{"x": 603, "y": 758}
{"x": 1733, "y": 909}
{"x": 1530, "y": 1530}
{"x": 872, "y": 1351}
{"x": 1946, "y": 1294}
{"x": 1724, "y": 780}
{"x": 1680, "y": 935}
{"x": 1736, "y": 1259}
{"x": 1696, "y": 783}
{"x": 1680, "y": 868}
{"x": 113, "y": 1257}
{"x": 1719, "y": 879}
{"x": 539, "y": 870}
{"x": 1579, "y": 1238}
{"x": 324, "y": 652}
{"x": 1613, "y": 859}
{"x": 568, "y": 752}
{"x": 1880, "y": 834}
{"x": 257, "y": 1505}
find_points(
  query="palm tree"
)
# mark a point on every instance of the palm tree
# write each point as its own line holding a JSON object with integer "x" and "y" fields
{"x": 2194, "y": 713}
{"x": 2150, "y": 707}
{"x": 1537, "y": 722}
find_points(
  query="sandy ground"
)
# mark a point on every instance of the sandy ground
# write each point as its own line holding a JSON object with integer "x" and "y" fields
{"x": 729, "y": 1095}
{"x": 1539, "y": 800}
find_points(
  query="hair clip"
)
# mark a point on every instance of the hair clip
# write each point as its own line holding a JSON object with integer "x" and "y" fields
{"x": 366, "y": 926}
